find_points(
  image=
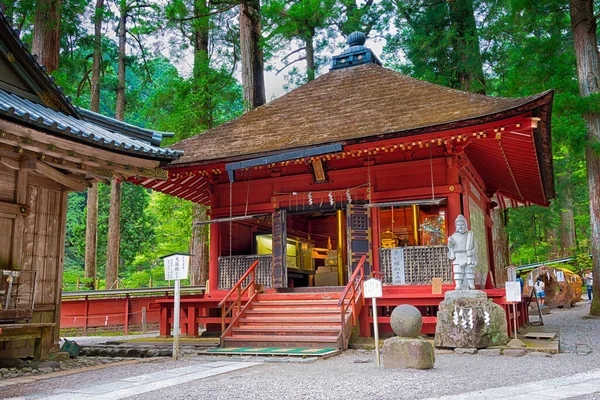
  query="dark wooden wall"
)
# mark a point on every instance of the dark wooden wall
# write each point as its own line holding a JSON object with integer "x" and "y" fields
{"x": 32, "y": 242}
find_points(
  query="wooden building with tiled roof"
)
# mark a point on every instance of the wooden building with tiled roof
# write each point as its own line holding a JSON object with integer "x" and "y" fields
{"x": 49, "y": 147}
{"x": 362, "y": 161}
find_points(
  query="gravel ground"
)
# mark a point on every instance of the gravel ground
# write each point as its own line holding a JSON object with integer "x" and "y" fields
{"x": 574, "y": 328}
{"x": 354, "y": 373}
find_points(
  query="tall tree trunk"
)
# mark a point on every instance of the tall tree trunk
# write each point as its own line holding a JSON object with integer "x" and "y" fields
{"x": 3, "y": 7}
{"x": 114, "y": 235}
{"x": 199, "y": 245}
{"x": 500, "y": 249}
{"x": 91, "y": 229}
{"x": 199, "y": 241}
{"x": 552, "y": 239}
{"x": 97, "y": 62}
{"x": 120, "y": 108}
{"x": 310, "y": 59}
{"x": 46, "y": 33}
{"x": 584, "y": 28}
{"x": 465, "y": 46}
{"x": 114, "y": 219}
{"x": 567, "y": 218}
{"x": 91, "y": 232}
{"x": 201, "y": 70}
{"x": 253, "y": 78}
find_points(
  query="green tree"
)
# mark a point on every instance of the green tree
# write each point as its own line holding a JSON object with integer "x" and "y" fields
{"x": 299, "y": 20}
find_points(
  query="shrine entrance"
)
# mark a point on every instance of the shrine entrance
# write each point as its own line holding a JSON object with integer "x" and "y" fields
{"x": 297, "y": 247}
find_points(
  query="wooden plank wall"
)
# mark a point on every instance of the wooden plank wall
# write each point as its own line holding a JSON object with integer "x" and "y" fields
{"x": 34, "y": 243}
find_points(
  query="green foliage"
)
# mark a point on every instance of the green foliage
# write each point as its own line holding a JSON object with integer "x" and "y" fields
{"x": 583, "y": 262}
{"x": 299, "y": 22}
{"x": 75, "y": 232}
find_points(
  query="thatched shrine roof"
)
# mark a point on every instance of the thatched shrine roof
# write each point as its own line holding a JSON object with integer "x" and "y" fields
{"x": 365, "y": 102}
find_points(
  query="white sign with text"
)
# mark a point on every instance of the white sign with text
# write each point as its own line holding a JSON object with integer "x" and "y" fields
{"x": 373, "y": 288}
{"x": 513, "y": 291}
{"x": 177, "y": 267}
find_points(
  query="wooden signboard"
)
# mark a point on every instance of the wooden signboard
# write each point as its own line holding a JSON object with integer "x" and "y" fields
{"x": 279, "y": 249}
{"x": 398, "y": 273}
{"x": 436, "y": 285}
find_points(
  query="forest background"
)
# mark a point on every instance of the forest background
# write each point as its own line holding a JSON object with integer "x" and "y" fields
{"x": 179, "y": 66}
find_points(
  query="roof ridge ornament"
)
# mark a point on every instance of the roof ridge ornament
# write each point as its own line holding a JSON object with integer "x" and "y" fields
{"x": 355, "y": 54}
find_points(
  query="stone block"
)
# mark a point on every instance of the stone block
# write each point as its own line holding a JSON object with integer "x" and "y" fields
{"x": 406, "y": 353}
{"x": 489, "y": 352}
{"x": 461, "y": 321}
{"x": 11, "y": 363}
{"x": 516, "y": 343}
{"x": 49, "y": 364}
{"x": 583, "y": 349}
{"x": 465, "y": 350}
{"x": 514, "y": 352}
{"x": 58, "y": 356}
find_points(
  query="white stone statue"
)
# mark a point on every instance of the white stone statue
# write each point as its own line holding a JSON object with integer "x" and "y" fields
{"x": 462, "y": 250}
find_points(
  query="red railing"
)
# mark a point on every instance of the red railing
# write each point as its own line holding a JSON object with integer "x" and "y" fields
{"x": 236, "y": 309}
{"x": 352, "y": 297}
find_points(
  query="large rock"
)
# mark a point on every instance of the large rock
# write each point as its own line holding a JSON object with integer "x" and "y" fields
{"x": 400, "y": 352}
{"x": 406, "y": 321}
{"x": 461, "y": 321}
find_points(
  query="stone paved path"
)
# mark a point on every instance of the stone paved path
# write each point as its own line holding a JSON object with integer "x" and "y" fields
{"x": 141, "y": 384}
{"x": 583, "y": 384}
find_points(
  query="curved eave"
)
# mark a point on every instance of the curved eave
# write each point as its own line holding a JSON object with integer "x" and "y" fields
{"x": 539, "y": 100}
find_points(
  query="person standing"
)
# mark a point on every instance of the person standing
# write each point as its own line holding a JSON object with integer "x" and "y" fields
{"x": 540, "y": 290}
{"x": 521, "y": 281}
{"x": 589, "y": 281}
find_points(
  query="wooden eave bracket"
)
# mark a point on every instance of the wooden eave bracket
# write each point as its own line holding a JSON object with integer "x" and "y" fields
{"x": 70, "y": 181}
{"x": 10, "y": 163}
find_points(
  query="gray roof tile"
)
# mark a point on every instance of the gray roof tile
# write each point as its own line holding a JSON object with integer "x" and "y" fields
{"x": 31, "y": 113}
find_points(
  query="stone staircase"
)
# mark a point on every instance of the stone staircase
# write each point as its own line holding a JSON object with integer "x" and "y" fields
{"x": 290, "y": 320}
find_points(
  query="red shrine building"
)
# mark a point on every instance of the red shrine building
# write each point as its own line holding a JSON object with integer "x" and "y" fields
{"x": 360, "y": 163}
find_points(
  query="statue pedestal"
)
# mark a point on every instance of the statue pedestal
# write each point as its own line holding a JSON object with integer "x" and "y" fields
{"x": 467, "y": 318}
{"x": 403, "y": 352}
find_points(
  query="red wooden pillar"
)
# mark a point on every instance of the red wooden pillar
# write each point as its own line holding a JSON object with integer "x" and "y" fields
{"x": 453, "y": 211}
{"x": 363, "y": 321}
{"x": 85, "y": 315}
{"x": 126, "y": 328}
{"x": 192, "y": 323}
{"x": 213, "y": 266}
{"x": 492, "y": 266}
{"x": 165, "y": 326}
{"x": 465, "y": 201}
{"x": 375, "y": 237}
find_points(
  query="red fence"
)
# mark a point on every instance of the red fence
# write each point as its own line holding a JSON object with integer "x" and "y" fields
{"x": 113, "y": 309}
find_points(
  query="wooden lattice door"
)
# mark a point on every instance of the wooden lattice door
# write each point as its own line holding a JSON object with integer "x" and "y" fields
{"x": 279, "y": 249}
{"x": 359, "y": 236}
